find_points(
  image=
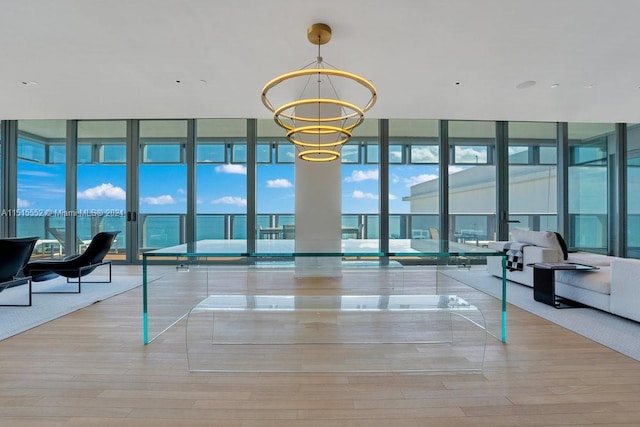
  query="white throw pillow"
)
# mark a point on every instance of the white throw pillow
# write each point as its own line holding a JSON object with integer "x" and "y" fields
{"x": 545, "y": 239}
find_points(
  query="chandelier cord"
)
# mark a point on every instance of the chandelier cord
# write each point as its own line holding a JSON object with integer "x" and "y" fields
{"x": 321, "y": 64}
{"x": 319, "y": 81}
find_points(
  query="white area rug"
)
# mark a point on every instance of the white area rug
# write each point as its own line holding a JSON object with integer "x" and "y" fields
{"x": 47, "y": 307}
{"x": 615, "y": 332}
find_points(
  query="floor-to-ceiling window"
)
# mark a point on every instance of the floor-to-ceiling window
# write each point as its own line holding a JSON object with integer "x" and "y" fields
{"x": 41, "y": 184}
{"x": 588, "y": 185}
{"x": 162, "y": 183}
{"x": 222, "y": 196}
{"x": 360, "y": 171}
{"x": 414, "y": 196}
{"x": 221, "y": 187}
{"x": 633, "y": 189}
{"x": 102, "y": 181}
{"x": 275, "y": 192}
{"x": 472, "y": 181}
{"x": 532, "y": 175}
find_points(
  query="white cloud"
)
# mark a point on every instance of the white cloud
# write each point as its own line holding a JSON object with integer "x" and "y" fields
{"x": 165, "y": 199}
{"x": 392, "y": 197}
{"x": 45, "y": 190}
{"x": 39, "y": 174}
{"x": 417, "y": 179}
{"x": 357, "y": 194}
{"x": 231, "y": 200}
{"x": 237, "y": 169}
{"x": 357, "y": 176}
{"x": 23, "y": 203}
{"x": 395, "y": 156}
{"x": 470, "y": 155}
{"x": 103, "y": 191}
{"x": 279, "y": 183}
{"x": 424, "y": 154}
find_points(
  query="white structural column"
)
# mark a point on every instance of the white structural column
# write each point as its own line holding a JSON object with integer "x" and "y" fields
{"x": 318, "y": 209}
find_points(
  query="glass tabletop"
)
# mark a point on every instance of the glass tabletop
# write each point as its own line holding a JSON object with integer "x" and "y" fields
{"x": 348, "y": 248}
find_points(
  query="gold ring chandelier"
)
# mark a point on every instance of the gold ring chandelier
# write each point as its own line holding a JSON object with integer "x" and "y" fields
{"x": 319, "y": 122}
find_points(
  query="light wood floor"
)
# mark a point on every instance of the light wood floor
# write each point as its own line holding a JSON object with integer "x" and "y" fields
{"x": 89, "y": 368}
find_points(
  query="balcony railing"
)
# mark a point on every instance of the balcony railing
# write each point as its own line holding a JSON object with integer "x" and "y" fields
{"x": 161, "y": 230}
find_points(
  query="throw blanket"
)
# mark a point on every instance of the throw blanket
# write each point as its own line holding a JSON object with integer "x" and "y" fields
{"x": 514, "y": 255}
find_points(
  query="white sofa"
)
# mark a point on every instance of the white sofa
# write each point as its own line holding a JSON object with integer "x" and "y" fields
{"x": 614, "y": 287}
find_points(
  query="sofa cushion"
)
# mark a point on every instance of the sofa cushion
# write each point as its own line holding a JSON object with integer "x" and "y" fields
{"x": 545, "y": 239}
{"x": 590, "y": 259}
{"x": 563, "y": 245}
{"x": 593, "y": 280}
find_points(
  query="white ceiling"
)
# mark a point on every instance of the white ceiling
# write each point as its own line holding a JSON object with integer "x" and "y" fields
{"x": 121, "y": 58}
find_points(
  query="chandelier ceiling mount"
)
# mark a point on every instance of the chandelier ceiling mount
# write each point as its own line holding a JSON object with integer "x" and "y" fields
{"x": 319, "y": 34}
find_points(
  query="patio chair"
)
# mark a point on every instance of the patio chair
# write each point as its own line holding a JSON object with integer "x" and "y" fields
{"x": 434, "y": 233}
{"x": 75, "y": 266}
{"x": 59, "y": 235}
{"x": 14, "y": 255}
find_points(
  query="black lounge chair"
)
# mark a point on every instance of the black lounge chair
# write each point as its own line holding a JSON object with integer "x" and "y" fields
{"x": 74, "y": 266}
{"x": 14, "y": 255}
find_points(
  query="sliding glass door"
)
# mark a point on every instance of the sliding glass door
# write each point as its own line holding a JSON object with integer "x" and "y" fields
{"x": 221, "y": 180}
{"x": 588, "y": 185}
{"x": 41, "y": 185}
{"x": 101, "y": 176}
{"x": 414, "y": 192}
{"x": 633, "y": 189}
{"x": 472, "y": 182}
{"x": 275, "y": 191}
{"x": 162, "y": 169}
{"x": 533, "y": 196}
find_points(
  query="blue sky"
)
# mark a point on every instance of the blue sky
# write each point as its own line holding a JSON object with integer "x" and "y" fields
{"x": 221, "y": 188}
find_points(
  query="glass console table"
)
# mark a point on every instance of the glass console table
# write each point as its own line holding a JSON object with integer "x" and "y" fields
{"x": 176, "y": 279}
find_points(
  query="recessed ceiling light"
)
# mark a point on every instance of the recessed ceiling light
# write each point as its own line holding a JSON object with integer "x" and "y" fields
{"x": 30, "y": 83}
{"x": 525, "y": 85}
{"x": 589, "y": 86}
{"x": 203, "y": 82}
{"x": 555, "y": 85}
